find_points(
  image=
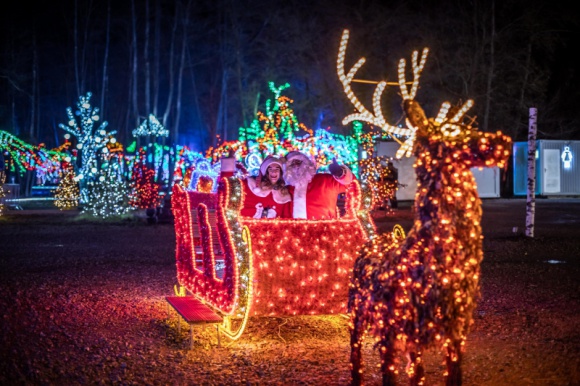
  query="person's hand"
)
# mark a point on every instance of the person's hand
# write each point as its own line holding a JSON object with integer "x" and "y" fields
{"x": 335, "y": 169}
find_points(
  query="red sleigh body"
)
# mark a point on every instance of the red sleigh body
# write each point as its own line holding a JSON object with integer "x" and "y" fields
{"x": 246, "y": 267}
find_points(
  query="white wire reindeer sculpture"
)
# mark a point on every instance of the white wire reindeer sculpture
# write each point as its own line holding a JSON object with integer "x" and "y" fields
{"x": 420, "y": 292}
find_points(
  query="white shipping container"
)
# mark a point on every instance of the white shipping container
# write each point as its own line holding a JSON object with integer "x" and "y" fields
{"x": 487, "y": 179}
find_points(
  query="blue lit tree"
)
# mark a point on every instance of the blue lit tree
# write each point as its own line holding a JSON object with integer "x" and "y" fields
{"x": 152, "y": 130}
{"x": 91, "y": 139}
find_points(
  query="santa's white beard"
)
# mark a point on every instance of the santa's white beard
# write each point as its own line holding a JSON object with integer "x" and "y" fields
{"x": 299, "y": 175}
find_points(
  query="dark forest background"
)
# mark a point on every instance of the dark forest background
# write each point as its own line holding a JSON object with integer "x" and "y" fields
{"x": 203, "y": 66}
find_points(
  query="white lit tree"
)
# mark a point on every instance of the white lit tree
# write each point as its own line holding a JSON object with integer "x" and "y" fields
{"x": 107, "y": 194}
{"x": 91, "y": 138}
{"x": 151, "y": 127}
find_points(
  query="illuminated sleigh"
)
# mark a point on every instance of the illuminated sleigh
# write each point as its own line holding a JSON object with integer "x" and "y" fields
{"x": 244, "y": 267}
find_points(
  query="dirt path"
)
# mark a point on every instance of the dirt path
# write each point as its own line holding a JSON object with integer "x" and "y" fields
{"x": 83, "y": 303}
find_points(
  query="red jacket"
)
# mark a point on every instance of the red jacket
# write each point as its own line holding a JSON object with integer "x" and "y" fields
{"x": 260, "y": 203}
{"x": 318, "y": 200}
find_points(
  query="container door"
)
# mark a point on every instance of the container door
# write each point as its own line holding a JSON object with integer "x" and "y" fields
{"x": 551, "y": 171}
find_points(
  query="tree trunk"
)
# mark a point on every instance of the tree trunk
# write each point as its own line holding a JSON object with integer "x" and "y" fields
{"x": 34, "y": 126}
{"x": 526, "y": 74}
{"x": 531, "y": 199}
{"x": 491, "y": 70}
{"x": 157, "y": 58}
{"x": 147, "y": 63}
{"x": 171, "y": 65}
{"x": 134, "y": 69}
{"x": 106, "y": 60}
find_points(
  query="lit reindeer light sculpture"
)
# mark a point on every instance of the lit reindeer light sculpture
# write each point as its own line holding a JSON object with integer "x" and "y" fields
{"x": 421, "y": 292}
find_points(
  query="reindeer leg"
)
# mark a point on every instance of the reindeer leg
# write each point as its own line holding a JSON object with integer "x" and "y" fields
{"x": 453, "y": 362}
{"x": 415, "y": 369}
{"x": 387, "y": 351}
{"x": 356, "y": 335}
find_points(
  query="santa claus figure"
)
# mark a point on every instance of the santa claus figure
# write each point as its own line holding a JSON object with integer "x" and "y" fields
{"x": 314, "y": 194}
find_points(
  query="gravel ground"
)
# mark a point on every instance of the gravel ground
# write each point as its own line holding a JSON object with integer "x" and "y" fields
{"x": 83, "y": 303}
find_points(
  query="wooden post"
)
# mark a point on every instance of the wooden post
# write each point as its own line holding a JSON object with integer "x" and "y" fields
{"x": 531, "y": 198}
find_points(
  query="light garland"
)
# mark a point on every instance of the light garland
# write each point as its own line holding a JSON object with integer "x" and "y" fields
{"x": 275, "y": 131}
{"x": 23, "y": 156}
{"x": 144, "y": 190}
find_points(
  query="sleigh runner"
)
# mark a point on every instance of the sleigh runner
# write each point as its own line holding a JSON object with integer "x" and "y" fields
{"x": 244, "y": 267}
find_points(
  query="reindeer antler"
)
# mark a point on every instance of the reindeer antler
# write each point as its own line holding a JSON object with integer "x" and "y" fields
{"x": 376, "y": 118}
{"x": 417, "y": 69}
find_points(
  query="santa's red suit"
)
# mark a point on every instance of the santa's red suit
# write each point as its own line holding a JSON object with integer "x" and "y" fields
{"x": 258, "y": 203}
{"x": 317, "y": 201}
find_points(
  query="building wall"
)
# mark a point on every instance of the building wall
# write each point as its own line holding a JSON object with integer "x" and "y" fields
{"x": 557, "y": 168}
{"x": 487, "y": 179}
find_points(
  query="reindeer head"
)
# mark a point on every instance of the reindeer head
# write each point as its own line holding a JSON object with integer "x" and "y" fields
{"x": 451, "y": 141}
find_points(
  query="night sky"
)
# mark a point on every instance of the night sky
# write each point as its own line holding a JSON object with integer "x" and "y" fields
{"x": 204, "y": 66}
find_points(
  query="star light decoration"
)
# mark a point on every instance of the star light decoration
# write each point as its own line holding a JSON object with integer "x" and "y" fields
{"x": 419, "y": 292}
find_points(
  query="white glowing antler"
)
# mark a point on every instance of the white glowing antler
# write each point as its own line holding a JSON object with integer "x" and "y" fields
{"x": 417, "y": 69}
{"x": 376, "y": 118}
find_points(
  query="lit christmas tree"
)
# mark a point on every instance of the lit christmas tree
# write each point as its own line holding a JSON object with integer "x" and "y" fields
{"x": 108, "y": 194}
{"x": 378, "y": 172}
{"x": 67, "y": 193}
{"x": 151, "y": 127}
{"x": 151, "y": 136}
{"x": 145, "y": 191}
{"x": 276, "y": 131}
{"x": 90, "y": 139}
